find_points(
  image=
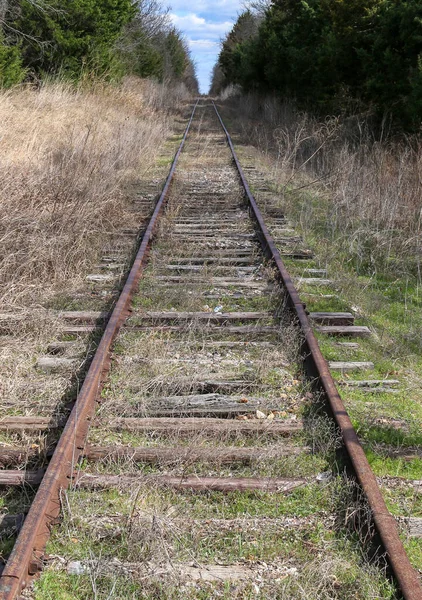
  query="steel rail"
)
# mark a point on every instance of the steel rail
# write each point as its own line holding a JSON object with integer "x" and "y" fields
{"x": 405, "y": 575}
{"x": 26, "y": 559}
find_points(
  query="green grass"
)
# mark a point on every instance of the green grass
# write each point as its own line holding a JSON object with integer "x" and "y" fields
{"x": 394, "y": 467}
{"x": 184, "y": 525}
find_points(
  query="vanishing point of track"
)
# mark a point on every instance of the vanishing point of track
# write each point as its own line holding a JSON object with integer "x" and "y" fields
{"x": 26, "y": 559}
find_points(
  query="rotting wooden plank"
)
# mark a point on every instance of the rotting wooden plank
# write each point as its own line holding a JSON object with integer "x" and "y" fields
{"x": 229, "y": 411}
{"x": 111, "y": 266}
{"x": 28, "y": 423}
{"x": 189, "y": 454}
{"x": 219, "y": 225}
{"x": 347, "y": 331}
{"x": 279, "y": 229}
{"x": 314, "y": 281}
{"x": 108, "y": 258}
{"x": 223, "y": 241}
{"x": 201, "y": 316}
{"x": 215, "y": 328}
{"x": 20, "y": 477}
{"x": 198, "y": 484}
{"x": 205, "y": 343}
{"x": 207, "y": 400}
{"x": 369, "y": 382}
{"x": 350, "y": 366}
{"x": 217, "y": 281}
{"x": 79, "y": 330}
{"x": 222, "y": 233}
{"x": 332, "y": 318}
{"x": 211, "y": 401}
{"x": 16, "y": 456}
{"x": 205, "y": 426}
{"x": 59, "y": 347}
{"x": 226, "y": 268}
{"x": 50, "y": 364}
{"x": 412, "y": 525}
{"x": 203, "y": 386}
{"x": 217, "y": 573}
{"x": 299, "y": 255}
{"x": 83, "y": 315}
{"x": 100, "y": 278}
{"x": 165, "y": 425}
{"x": 232, "y": 344}
{"x": 209, "y": 218}
{"x": 13, "y": 457}
{"x": 232, "y": 295}
{"x": 217, "y": 260}
{"x": 222, "y": 253}
{"x": 316, "y": 272}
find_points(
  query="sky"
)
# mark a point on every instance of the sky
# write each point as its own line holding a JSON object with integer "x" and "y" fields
{"x": 204, "y": 24}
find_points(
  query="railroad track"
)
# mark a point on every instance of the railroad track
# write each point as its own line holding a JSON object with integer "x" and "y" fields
{"x": 196, "y": 375}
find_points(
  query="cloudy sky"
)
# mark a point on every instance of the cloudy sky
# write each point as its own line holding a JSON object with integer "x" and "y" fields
{"x": 204, "y": 23}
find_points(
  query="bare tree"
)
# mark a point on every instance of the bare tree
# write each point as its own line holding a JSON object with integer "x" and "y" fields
{"x": 10, "y": 11}
{"x": 258, "y": 7}
{"x": 153, "y": 17}
{"x": 9, "y": 8}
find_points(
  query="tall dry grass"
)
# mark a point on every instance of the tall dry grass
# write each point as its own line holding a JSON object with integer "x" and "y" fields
{"x": 356, "y": 183}
{"x": 69, "y": 159}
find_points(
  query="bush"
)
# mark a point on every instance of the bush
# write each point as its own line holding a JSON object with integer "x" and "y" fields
{"x": 333, "y": 55}
{"x": 70, "y": 36}
{"x": 11, "y": 70}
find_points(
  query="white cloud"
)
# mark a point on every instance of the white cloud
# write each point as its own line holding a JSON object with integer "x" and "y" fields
{"x": 220, "y": 8}
{"x": 193, "y": 25}
{"x": 209, "y": 44}
{"x": 204, "y": 30}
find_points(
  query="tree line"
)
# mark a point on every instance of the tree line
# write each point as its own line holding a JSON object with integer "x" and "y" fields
{"x": 103, "y": 38}
{"x": 332, "y": 55}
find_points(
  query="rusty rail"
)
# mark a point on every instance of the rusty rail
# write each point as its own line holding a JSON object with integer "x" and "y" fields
{"x": 27, "y": 555}
{"x": 403, "y": 572}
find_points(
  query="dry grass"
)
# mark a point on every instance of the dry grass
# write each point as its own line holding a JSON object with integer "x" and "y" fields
{"x": 69, "y": 156}
{"x": 74, "y": 163}
{"x": 155, "y": 529}
{"x": 365, "y": 182}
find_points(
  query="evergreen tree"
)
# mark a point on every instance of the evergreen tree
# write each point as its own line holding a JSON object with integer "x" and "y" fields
{"x": 73, "y": 35}
{"x": 333, "y": 54}
{"x": 11, "y": 70}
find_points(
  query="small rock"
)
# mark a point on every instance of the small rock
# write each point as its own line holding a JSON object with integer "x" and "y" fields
{"x": 76, "y": 568}
{"x": 324, "y": 477}
{"x": 260, "y": 415}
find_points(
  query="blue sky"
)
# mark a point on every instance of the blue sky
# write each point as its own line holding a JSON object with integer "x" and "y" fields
{"x": 204, "y": 24}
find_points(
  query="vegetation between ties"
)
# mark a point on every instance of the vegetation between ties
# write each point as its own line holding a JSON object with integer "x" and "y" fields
{"x": 349, "y": 187}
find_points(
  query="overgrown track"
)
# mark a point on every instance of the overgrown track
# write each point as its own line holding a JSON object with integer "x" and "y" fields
{"x": 205, "y": 296}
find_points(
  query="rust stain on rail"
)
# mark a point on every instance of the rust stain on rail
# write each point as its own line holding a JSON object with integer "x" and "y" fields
{"x": 405, "y": 575}
{"x": 26, "y": 557}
